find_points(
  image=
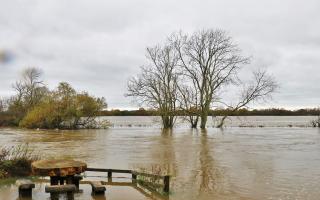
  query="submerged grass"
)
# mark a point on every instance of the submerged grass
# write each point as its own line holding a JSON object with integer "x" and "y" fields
{"x": 15, "y": 161}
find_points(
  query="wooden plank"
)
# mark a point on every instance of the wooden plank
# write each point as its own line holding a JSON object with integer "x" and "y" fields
{"x": 166, "y": 182}
{"x": 25, "y": 184}
{"x": 150, "y": 184}
{"x": 127, "y": 184}
{"x": 148, "y": 175}
{"x": 60, "y": 188}
{"x": 97, "y": 187}
{"x": 109, "y": 170}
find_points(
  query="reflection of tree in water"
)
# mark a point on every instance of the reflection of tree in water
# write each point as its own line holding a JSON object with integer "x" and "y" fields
{"x": 168, "y": 150}
{"x": 207, "y": 175}
{"x": 162, "y": 155}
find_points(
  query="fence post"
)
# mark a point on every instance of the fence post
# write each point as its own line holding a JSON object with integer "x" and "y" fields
{"x": 109, "y": 174}
{"x": 166, "y": 182}
{"x": 134, "y": 176}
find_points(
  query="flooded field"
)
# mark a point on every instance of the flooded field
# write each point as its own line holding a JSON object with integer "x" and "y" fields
{"x": 273, "y": 162}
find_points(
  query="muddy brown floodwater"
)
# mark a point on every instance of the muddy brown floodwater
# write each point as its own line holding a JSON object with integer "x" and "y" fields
{"x": 234, "y": 163}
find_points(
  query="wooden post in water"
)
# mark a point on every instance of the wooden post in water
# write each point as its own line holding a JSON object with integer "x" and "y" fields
{"x": 166, "y": 182}
{"x": 134, "y": 176}
{"x": 109, "y": 174}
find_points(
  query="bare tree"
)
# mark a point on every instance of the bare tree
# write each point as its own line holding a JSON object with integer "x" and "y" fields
{"x": 210, "y": 60}
{"x": 30, "y": 88}
{"x": 260, "y": 88}
{"x": 189, "y": 73}
{"x": 29, "y": 92}
{"x": 31, "y": 78}
{"x": 157, "y": 85}
{"x": 188, "y": 98}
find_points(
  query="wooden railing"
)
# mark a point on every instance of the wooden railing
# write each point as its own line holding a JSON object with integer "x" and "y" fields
{"x": 134, "y": 174}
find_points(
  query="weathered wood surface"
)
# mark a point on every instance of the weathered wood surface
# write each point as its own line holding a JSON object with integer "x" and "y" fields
{"x": 166, "y": 179}
{"x": 55, "y": 190}
{"x": 25, "y": 184}
{"x": 166, "y": 182}
{"x": 97, "y": 187}
{"x": 109, "y": 170}
{"x": 58, "y": 167}
{"x": 124, "y": 171}
{"x": 148, "y": 175}
{"x": 60, "y": 188}
{"x": 25, "y": 187}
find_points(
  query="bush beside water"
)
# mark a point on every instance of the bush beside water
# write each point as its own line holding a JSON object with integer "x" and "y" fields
{"x": 16, "y": 161}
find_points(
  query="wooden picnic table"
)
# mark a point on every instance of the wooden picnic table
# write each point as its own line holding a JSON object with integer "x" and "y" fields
{"x": 59, "y": 170}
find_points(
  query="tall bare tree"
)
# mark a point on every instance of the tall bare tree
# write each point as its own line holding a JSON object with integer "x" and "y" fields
{"x": 259, "y": 88}
{"x": 34, "y": 86}
{"x": 29, "y": 91}
{"x": 157, "y": 84}
{"x": 190, "y": 71}
{"x": 30, "y": 87}
{"x": 210, "y": 60}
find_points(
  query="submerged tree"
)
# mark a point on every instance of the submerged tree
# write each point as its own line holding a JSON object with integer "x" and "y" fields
{"x": 188, "y": 98}
{"x": 157, "y": 84}
{"x": 190, "y": 71}
{"x": 210, "y": 60}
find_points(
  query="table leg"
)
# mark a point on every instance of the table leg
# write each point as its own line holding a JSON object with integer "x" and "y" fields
{"x": 61, "y": 180}
{"x": 54, "y": 180}
{"x": 69, "y": 179}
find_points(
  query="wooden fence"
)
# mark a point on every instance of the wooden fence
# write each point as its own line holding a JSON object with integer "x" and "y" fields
{"x": 134, "y": 174}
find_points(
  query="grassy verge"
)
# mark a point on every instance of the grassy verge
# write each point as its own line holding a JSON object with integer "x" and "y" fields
{"x": 16, "y": 161}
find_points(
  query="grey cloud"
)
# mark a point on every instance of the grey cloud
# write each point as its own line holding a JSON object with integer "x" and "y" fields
{"x": 97, "y": 45}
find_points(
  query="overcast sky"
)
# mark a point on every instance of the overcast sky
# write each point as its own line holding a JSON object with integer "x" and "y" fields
{"x": 97, "y": 45}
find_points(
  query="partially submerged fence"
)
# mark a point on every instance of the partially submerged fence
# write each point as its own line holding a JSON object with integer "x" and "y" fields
{"x": 135, "y": 174}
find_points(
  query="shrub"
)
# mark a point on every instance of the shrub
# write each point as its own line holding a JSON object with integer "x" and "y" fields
{"x": 16, "y": 160}
{"x": 64, "y": 108}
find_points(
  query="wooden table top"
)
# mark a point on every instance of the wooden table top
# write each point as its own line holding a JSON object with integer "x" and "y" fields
{"x": 61, "y": 167}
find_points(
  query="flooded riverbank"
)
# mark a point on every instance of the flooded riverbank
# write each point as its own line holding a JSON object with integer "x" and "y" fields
{"x": 234, "y": 163}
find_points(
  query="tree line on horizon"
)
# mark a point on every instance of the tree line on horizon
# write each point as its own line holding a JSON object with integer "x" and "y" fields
{"x": 189, "y": 74}
{"x": 220, "y": 112}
